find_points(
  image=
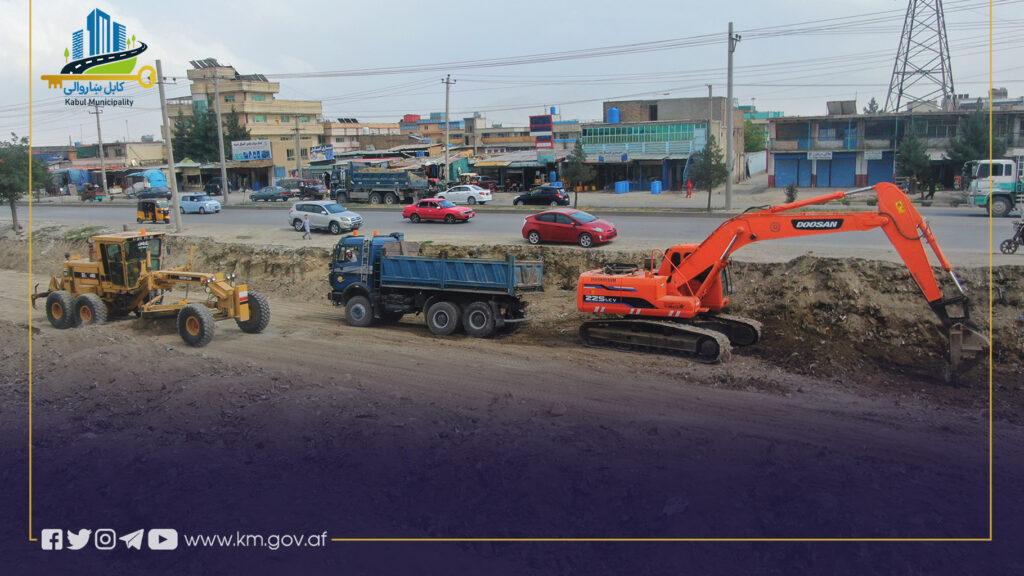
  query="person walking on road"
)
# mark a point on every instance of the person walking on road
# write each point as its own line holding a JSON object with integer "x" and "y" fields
{"x": 689, "y": 188}
{"x": 305, "y": 227}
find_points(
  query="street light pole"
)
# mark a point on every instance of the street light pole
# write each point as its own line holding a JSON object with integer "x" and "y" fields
{"x": 99, "y": 138}
{"x": 447, "y": 126}
{"x": 169, "y": 150}
{"x": 730, "y": 157}
{"x": 220, "y": 140}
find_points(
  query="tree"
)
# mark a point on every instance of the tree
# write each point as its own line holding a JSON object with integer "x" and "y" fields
{"x": 14, "y": 178}
{"x": 233, "y": 129}
{"x": 576, "y": 170}
{"x": 753, "y": 137}
{"x": 971, "y": 140}
{"x": 707, "y": 168}
{"x": 195, "y": 136}
{"x": 912, "y": 159}
{"x": 872, "y": 107}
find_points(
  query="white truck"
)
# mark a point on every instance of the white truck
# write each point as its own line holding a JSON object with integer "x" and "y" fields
{"x": 1004, "y": 190}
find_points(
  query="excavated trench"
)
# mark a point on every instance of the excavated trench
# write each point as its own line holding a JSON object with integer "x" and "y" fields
{"x": 826, "y": 317}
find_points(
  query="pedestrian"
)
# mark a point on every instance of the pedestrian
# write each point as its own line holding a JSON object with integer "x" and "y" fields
{"x": 305, "y": 227}
{"x": 689, "y": 188}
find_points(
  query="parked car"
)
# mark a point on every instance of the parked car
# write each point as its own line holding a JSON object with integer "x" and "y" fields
{"x": 545, "y": 195}
{"x": 437, "y": 209}
{"x": 154, "y": 192}
{"x": 568, "y": 225}
{"x": 269, "y": 194}
{"x": 466, "y": 194}
{"x": 304, "y": 188}
{"x": 324, "y": 215}
{"x": 488, "y": 183}
{"x": 198, "y": 204}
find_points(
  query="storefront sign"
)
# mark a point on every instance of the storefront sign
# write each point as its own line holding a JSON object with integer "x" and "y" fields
{"x": 872, "y": 154}
{"x": 321, "y": 153}
{"x": 243, "y": 150}
{"x": 819, "y": 155}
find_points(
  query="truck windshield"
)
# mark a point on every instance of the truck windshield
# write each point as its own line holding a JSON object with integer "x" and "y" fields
{"x": 334, "y": 208}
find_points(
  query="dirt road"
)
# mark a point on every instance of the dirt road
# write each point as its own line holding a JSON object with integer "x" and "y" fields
{"x": 316, "y": 426}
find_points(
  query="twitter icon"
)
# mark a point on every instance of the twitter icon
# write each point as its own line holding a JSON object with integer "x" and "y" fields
{"x": 133, "y": 539}
{"x": 79, "y": 540}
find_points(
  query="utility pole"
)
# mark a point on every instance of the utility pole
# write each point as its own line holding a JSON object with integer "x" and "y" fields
{"x": 711, "y": 114}
{"x": 730, "y": 158}
{"x": 447, "y": 125}
{"x": 298, "y": 150}
{"x": 169, "y": 150}
{"x": 225, "y": 189}
{"x": 99, "y": 137}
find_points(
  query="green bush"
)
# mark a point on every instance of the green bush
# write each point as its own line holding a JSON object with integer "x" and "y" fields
{"x": 791, "y": 193}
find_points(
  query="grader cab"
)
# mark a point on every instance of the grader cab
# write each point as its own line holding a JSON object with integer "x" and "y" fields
{"x": 123, "y": 275}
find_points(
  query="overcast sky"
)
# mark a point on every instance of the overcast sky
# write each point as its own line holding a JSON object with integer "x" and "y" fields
{"x": 794, "y": 73}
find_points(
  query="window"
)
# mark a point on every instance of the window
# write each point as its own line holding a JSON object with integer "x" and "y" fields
{"x": 259, "y": 117}
{"x": 652, "y": 112}
{"x": 562, "y": 219}
{"x": 303, "y": 119}
{"x": 285, "y": 118}
{"x": 258, "y": 97}
{"x": 305, "y": 152}
{"x": 546, "y": 217}
{"x": 291, "y": 153}
{"x": 229, "y": 97}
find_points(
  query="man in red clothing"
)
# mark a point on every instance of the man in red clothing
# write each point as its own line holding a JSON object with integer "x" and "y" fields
{"x": 689, "y": 188}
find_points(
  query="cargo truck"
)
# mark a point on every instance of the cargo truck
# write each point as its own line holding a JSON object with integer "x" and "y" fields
{"x": 380, "y": 279}
{"x": 377, "y": 186}
{"x": 996, "y": 185}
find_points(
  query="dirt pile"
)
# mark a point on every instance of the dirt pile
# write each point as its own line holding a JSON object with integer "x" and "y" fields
{"x": 822, "y": 316}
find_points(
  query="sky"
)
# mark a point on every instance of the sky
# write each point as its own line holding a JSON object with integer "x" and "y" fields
{"x": 789, "y": 69}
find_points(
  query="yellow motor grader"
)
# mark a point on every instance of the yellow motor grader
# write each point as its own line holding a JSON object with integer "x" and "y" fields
{"x": 123, "y": 275}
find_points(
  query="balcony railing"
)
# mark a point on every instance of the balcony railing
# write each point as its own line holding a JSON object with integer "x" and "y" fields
{"x": 655, "y": 148}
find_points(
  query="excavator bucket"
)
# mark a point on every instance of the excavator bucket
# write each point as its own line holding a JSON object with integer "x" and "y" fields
{"x": 967, "y": 347}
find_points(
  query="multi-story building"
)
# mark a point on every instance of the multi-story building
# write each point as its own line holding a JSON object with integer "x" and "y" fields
{"x": 265, "y": 116}
{"x": 759, "y": 117}
{"x": 77, "y": 46}
{"x": 433, "y": 127}
{"x": 646, "y": 140}
{"x": 565, "y": 133}
{"x": 120, "y": 37}
{"x": 347, "y": 134}
{"x": 100, "y": 34}
{"x": 849, "y": 149}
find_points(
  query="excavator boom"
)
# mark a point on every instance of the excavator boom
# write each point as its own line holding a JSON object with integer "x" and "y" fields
{"x": 688, "y": 290}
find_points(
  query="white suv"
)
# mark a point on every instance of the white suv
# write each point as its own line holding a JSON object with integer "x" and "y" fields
{"x": 466, "y": 194}
{"x": 324, "y": 215}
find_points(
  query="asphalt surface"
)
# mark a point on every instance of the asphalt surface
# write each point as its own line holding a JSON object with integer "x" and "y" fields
{"x": 957, "y": 230}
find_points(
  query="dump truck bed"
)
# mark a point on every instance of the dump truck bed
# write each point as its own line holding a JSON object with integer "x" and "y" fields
{"x": 509, "y": 276}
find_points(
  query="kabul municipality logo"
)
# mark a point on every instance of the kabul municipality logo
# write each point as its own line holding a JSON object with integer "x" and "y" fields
{"x": 101, "y": 60}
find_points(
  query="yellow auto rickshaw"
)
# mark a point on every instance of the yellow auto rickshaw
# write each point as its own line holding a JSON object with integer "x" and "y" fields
{"x": 153, "y": 210}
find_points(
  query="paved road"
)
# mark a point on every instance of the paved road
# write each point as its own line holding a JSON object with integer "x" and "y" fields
{"x": 80, "y": 66}
{"x": 957, "y": 230}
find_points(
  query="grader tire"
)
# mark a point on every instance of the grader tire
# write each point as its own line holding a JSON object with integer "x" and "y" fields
{"x": 89, "y": 309}
{"x": 59, "y": 310}
{"x": 259, "y": 314}
{"x": 195, "y": 325}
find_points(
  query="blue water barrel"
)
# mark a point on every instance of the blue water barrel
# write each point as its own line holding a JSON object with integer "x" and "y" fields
{"x": 622, "y": 186}
{"x": 554, "y": 110}
{"x": 552, "y": 176}
{"x": 656, "y": 187}
{"x": 613, "y": 115}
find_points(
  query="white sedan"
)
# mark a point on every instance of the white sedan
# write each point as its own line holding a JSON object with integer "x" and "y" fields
{"x": 466, "y": 194}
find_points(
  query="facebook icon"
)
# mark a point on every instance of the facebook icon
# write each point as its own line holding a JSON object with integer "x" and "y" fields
{"x": 52, "y": 539}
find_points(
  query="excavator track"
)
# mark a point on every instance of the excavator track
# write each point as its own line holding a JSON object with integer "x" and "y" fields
{"x": 701, "y": 344}
{"x": 740, "y": 330}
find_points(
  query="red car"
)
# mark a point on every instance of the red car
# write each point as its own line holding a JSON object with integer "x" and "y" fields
{"x": 437, "y": 209}
{"x": 568, "y": 225}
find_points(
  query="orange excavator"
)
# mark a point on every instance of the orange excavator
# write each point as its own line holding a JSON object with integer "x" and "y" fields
{"x": 677, "y": 307}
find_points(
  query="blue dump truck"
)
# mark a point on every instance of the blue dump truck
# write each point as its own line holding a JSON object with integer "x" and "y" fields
{"x": 377, "y": 186}
{"x": 383, "y": 278}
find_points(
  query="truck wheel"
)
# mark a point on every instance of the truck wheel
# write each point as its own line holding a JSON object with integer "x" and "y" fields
{"x": 359, "y": 312}
{"x": 443, "y": 318}
{"x": 449, "y": 219}
{"x": 195, "y": 325}
{"x": 342, "y": 197}
{"x": 586, "y": 240}
{"x": 478, "y": 320}
{"x": 259, "y": 314}
{"x": 374, "y": 198}
{"x": 390, "y": 199}
{"x": 335, "y": 228}
{"x": 59, "y": 310}
{"x": 297, "y": 224}
{"x": 414, "y": 218}
{"x": 89, "y": 309}
{"x": 1001, "y": 207}
{"x": 533, "y": 237}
